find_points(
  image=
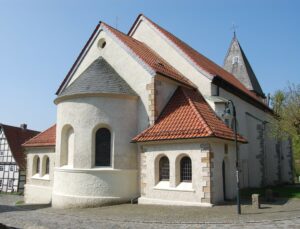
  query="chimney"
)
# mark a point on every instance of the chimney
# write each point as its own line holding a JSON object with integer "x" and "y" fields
{"x": 23, "y": 126}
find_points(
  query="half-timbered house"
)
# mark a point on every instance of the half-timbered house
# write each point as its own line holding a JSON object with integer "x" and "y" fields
{"x": 12, "y": 157}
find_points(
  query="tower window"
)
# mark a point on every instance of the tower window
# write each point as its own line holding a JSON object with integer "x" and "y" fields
{"x": 235, "y": 60}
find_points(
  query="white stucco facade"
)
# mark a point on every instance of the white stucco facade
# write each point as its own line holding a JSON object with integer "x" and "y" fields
{"x": 74, "y": 179}
{"x": 260, "y": 152}
{"x": 206, "y": 186}
{"x": 92, "y": 185}
{"x": 38, "y": 187}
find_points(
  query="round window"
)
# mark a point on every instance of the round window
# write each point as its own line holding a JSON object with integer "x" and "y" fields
{"x": 101, "y": 43}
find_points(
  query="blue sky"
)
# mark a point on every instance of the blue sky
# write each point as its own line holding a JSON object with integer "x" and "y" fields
{"x": 40, "y": 40}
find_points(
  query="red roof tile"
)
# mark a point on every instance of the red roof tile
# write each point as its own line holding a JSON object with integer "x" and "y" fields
{"x": 150, "y": 57}
{"x": 187, "y": 115}
{"x": 46, "y": 138}
{"x": 203, "y": 62}
{"x": 16, "y": 136}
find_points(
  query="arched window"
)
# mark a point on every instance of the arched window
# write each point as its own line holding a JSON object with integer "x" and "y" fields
{"x": 47, "y": 165}
{"x": 37, "y": 165}
{"x": 67, "y": 146}
{"x": 103, "y": 141}
{"x": 164, "y": 169}
{"x": 186, "y": 169}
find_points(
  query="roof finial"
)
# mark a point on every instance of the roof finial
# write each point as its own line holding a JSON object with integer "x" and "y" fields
{"x": 233, "y": 28}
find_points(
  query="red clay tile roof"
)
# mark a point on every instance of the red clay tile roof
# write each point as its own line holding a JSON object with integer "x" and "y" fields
{"x": 150, "y": 57}
{"x": 16, "y": 136}
{"x": 44, "y": 139}
{"x": 203, "y": 62}
{"x": 146, "y": 54}
{"x": 187, "y": 115}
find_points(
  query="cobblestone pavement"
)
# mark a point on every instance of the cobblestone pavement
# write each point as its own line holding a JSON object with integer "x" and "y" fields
{"x": 281, "y": 214}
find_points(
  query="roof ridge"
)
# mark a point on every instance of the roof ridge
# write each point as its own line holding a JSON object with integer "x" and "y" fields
{"x": 38, "y": 135}
{"x": 174, "y": 74}
{"x": 182, "y": 119}
{"x": 111, "y": 28}
{"x": 10, "y": 126}
{"x": 207, "y": 65}
{"x": 198, "y": 113}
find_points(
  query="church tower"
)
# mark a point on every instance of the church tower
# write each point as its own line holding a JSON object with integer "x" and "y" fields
{"x": 237, "y": 63}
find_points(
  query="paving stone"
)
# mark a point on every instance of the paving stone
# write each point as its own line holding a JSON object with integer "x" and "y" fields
{"x": 281, "y": 214}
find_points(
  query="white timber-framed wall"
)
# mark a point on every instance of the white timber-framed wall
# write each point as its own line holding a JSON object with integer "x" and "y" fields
{"x": 12, "y": 178}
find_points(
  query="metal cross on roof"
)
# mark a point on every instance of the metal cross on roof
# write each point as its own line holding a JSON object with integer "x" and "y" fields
{"x": 234, "y": 28}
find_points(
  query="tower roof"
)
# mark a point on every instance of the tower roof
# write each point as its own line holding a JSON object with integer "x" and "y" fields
{"x": 237, "y": 63}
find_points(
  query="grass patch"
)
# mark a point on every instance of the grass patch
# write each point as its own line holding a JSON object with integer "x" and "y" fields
{"x": 20, "y": 202}
{"x": 280, "y": 191}
{"x": 12, "y": 193}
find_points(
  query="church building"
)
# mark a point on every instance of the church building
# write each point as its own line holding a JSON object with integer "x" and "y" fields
{"x": 140, "y": 115}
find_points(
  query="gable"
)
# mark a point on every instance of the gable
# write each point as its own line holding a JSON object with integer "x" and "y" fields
{"x": 15, "y": 137}
{"x": 187, "y": 116}
{"x": 145, "y": 32}
{"x": 149, "y": 60}
{"x": 5, "y": 152}
{"x": 201, "y": 64}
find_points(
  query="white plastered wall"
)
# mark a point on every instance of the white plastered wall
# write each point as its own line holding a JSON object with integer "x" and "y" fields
{"x": 38, "y": 187}
{"x": 250, "y": 120}
{"x": 83, "y": 184}
{"x": 126, "y": 66}
{"x": 217, "y": 172}
{"x": 164, "y": 90}
{"x": 172, "y": 192}
{"x": 147, "y": 34}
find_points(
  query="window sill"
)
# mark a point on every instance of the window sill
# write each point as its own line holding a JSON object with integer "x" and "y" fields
{"x": 182, "y": 187}
{"x": 37, "y": 177}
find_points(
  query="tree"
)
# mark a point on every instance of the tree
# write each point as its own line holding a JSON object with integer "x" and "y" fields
{"x": 286, "y": 106}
